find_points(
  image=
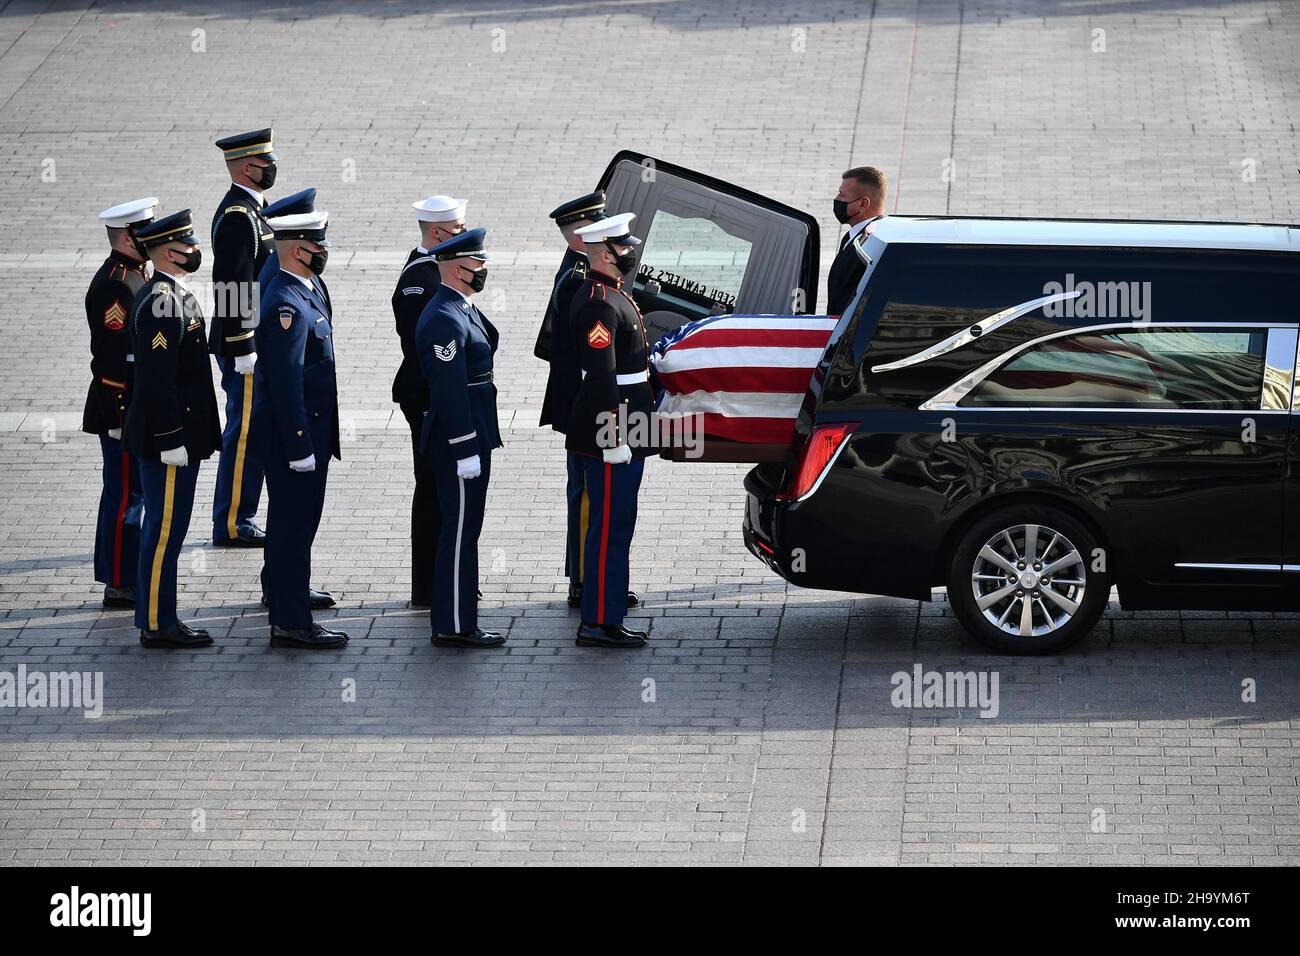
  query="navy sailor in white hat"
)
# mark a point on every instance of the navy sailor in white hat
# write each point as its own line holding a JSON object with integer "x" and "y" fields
{"x": 440, "y": 218}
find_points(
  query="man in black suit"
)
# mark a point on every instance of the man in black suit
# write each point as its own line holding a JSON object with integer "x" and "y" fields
{"x": 860, "y": 201}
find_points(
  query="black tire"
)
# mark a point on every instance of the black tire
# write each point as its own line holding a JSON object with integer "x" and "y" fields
{"x": 1052, "y": 626}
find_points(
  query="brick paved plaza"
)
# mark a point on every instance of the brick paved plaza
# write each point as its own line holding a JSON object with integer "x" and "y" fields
{"x": 757, "y": 727}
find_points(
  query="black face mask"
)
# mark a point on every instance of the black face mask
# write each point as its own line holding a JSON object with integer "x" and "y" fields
{"x": 268, "y": 176}
{"x": 192, "y": 261}
{"x": 477, "y": 279}
{"x": 842, "y": 211}
{"x": 138, "y": 246}
{"x": 624, "y": 262}
{"x": 317, "y": 261}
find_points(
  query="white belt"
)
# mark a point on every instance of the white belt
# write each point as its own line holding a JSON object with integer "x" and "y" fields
{"x": 631, "y": 378}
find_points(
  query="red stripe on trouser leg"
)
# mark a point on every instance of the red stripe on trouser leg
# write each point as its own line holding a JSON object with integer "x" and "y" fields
{"x": 121, "y": 518}
{"x": 604, "y": 545}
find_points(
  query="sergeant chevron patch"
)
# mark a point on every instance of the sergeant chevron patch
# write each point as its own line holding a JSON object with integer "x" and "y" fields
{"x": 115, "y": 316}
{"x": 598, "y": 337}
{"x": 446, "y": 352}
{"x": 159, "y": 341}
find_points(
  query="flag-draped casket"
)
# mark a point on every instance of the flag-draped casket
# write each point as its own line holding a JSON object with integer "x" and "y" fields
{"x": 746, "y": 375}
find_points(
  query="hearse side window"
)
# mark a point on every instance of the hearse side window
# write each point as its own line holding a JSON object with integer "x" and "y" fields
{"x": 1190, "y": 368}
{"x": 694, "y": 260}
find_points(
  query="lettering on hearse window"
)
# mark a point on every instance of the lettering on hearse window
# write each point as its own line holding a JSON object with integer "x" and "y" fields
{"x": 686, "y": 288}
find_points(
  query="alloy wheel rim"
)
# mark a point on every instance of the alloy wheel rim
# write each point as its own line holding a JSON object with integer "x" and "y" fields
{"x": 1028, "y": 580}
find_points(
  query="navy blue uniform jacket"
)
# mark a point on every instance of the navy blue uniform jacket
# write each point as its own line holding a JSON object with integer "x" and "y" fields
{"x": 455, "y": 342}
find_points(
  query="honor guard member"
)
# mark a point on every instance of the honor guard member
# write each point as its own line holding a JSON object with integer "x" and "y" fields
{"x": 610, "y": 426}
{"x": 293, "y": 205}
{"x": 555, "y": 345}
{"x": 455, "y": 343}
{"x": 440, "y": 218}
{"x": 108, "y": 305}
{"x": 171, "y": 421}
{"x": 241, "y": 243}
{"x": 295, "y": 424}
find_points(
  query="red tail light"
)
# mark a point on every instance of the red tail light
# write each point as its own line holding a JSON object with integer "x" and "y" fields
{"x": 821, "y": 447}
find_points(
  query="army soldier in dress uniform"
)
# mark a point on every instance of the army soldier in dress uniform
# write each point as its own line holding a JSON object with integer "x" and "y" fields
{"x": 440, "y": 219}
{"x": 555, "y": 345}
{"x": 240, "y": 245}
{"x": 295, "y": 423}
{"x": 171, "y": 422}
{"x": 108, "y": 305}
{"x": 455, "y": 343}
{"x": 610, "y": 426}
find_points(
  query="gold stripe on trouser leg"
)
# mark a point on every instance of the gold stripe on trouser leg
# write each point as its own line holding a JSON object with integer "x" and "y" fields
{"x": 584, "y": 511}
{"x": 241, "y": 445}
{"x": 155, "y": 577}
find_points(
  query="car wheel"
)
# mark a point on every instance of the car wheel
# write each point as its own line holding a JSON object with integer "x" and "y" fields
{"x": 1021, "y": 580}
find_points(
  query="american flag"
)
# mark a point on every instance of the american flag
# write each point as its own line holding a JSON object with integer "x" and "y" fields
{"x": 746, "y": 374}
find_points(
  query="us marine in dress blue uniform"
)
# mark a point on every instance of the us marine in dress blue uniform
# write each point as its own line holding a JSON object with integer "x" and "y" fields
{"x": 295, "y": 424}
{"x": 440, "y": 218}
{"x": 555, "y": 346}
{"x": 455, "y": 343}
{"x": 611, "y": 426}
{"x": 108, "y": 305}
{"x": 171, "y": 422}
{"x": 241, "y": 243}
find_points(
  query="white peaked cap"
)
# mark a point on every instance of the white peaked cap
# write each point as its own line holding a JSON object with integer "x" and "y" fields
{"x": 617, "y": 228}
{"x": 137, "y": 210}
{"x": 440, "y": 209}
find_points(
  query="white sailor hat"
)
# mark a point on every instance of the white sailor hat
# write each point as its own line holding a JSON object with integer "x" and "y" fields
{"x": 303, "y": 225}
{"x": 440, "y": 209}
{"x": 137, "y": 210}
{"x": 612, "y": 229}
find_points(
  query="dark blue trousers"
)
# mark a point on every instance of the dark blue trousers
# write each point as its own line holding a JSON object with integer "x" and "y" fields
{"x": 239, "y": 473}
{"x": 575, "y": 491}
{"x": 611, "y": 491}
{"x": 117, "y": 532}
{"x": 295, "y": 503}
{"x": 168, "y": 502}
{"x": 455, "y": 568}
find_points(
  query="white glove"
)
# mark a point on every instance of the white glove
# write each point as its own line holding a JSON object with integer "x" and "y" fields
{"x": 469, "y": 467}
{"x": 115, "y": 434}
{"x": 618, "y": 455}
{"x": 304, "y": 464}
{"x": 177, "y": 457}
{"x": 244, "y": 363}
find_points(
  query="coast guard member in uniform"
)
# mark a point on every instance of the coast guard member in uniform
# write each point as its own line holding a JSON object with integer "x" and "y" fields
{"x": 455, "y": 343}
{"x": 555, "y": 345}
{"x": 440, "y": 219}
{"x": 171, "y": 422}
{"x": 240, "y": 245}
{"x": 610, "y": 426}
{"x": 295, "y": 423}
{"x": 108, "y": 305}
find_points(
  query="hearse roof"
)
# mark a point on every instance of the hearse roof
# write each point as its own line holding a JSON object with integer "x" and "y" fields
{"x": 944, "y": 230}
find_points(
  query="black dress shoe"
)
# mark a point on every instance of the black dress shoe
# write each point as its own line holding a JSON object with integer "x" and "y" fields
{"x": 609, "y": 635}
{"x": 316, "y": 637}
{"x": 119, "y": 597}
{"x": 175, "y": 635}
{"x": 475, "y": 638}
{"x": 317, "y": 600}
{"x": 250, "y": 537}
{"x": 575, "y": 597}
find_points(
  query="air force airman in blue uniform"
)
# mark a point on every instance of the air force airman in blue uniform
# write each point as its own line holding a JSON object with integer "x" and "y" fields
{"x": 292, "y": 205}
{"x": 455, "y": 343}
{"x": 610, "y": 425}
{"x": 295, "y": 423}
{"x": 241, "y": 242}
{"x": 108, "y": 306}
{"x": 171, "y": 422}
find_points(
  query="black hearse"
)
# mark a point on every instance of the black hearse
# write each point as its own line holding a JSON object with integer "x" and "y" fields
{"x": 1030, "y": 412}
{"x": 1024, "y": 411}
